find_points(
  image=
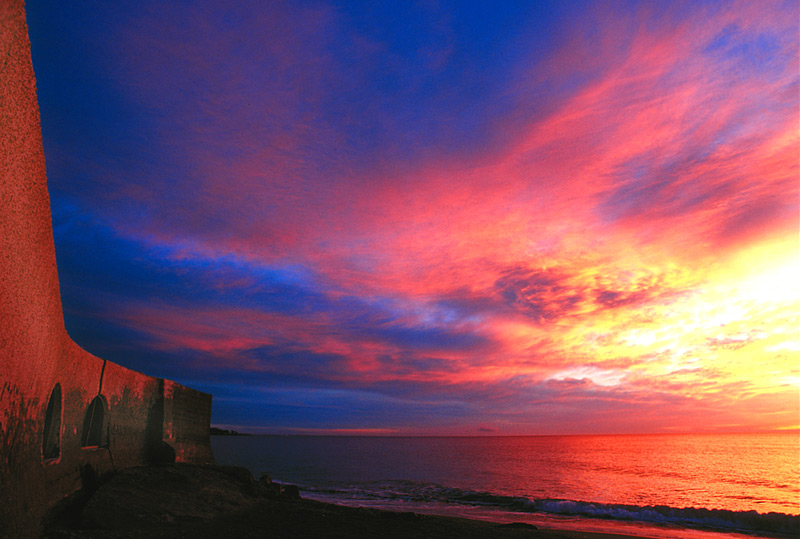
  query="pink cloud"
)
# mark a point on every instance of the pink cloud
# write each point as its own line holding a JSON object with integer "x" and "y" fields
{"x": 663, "y": 150}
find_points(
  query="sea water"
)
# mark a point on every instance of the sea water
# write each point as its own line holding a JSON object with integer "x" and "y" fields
{"x": 670, "y": 485}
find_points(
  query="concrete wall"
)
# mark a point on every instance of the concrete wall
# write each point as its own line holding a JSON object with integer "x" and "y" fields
{"x": 187, "y": 417}
{"x": 42, "y": 461}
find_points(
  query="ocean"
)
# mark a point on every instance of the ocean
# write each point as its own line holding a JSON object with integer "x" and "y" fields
{"x": 666, "y": 485}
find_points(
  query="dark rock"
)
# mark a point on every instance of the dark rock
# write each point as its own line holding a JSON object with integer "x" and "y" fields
{"x": 150, "y": 497}
{"x": 164, "y": 454}
{"x": 265, "y": 488}
{"x": 272, "y": 491}
{"x": 291, "y": 492}
{"x": 175, "y": 476}
{"x": 520, "y": 525}
{"x": 237, "y": 472}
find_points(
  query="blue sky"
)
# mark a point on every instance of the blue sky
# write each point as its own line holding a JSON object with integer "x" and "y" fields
{"x": 433, "y": 218}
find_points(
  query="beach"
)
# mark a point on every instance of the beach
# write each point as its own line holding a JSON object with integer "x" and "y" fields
{"x": 182, "y": 501}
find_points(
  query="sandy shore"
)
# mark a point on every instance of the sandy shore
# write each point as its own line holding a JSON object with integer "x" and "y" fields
{"x": 184, "y": 501}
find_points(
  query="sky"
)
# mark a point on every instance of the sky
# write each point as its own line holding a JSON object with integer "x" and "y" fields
{"x": 421, "y": 218}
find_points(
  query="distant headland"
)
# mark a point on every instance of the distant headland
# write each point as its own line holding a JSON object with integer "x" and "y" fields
{"x": 214, "y": 431}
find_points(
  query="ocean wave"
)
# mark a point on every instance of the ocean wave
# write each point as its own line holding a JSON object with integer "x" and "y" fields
{"x": 687, "y": 516}
{"x": 691, "y": 517}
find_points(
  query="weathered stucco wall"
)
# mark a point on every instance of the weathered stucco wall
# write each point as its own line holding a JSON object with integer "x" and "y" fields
{"x": 187, "y": 416}
{"x": 53, "y": 440}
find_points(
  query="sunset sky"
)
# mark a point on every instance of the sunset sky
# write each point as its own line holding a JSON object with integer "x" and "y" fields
{"x": 434, "y": 217}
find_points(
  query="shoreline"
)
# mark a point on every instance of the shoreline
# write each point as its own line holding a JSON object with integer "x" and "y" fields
{"x": 209, "y": 501}
{"x": 312, "y": 519}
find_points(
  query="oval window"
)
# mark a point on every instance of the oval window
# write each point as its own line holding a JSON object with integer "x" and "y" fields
{"x": 95, "y": 433}
{"x": 51, "y": 441}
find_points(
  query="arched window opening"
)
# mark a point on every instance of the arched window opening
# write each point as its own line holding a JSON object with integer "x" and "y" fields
{"x": 51, "y": 441}
{"x": 95, "y": 433}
